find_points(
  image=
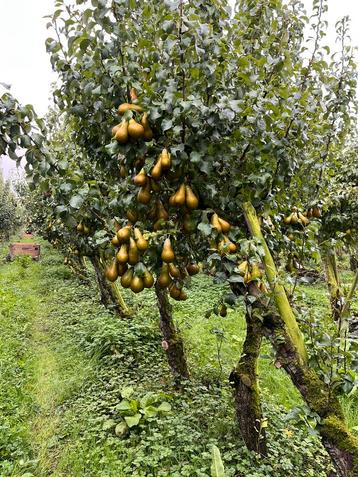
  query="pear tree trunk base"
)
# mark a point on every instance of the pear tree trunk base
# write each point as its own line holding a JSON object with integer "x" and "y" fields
{"x": 108, "y": 296}
{"x": 172, "y": 341}
{"x": 246, "y": 390}
{"x": 341, "y": 445}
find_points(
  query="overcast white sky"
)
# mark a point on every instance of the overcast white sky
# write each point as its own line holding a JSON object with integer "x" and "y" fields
{"x": 25, "y": 64}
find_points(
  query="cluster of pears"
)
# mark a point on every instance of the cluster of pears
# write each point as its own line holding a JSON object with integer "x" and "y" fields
{"x": 171, "y": 276}
{"x": 130, "y": 244}
{"x": 132, "y": 129}
{"x": 83, "y": 229}
{"x": 315, "y": 212}
{"x": 296, "y": 218}
{"x": 147, "y": 183}
{"x": 251, "y": 272}
{"x": 225, "y": 245}
{"x": 183, "y": 197}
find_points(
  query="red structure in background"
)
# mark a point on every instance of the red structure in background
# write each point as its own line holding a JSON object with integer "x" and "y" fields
{"x": 29, "y": 249}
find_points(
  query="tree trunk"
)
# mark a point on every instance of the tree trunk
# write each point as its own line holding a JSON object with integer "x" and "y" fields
{"x": 278, "y": 290}
{"x": 109, "y": 293}
{"x": 353, "y": 263}
{"x": 246, "y": 392}
{"x": 336, "y": 438}
{"x": 281, "y": 329}
{"x": 172, "y": 340}
{"x": 333, "y": 282}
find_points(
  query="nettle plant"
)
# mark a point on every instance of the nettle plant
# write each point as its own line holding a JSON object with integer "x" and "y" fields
{"x": 214, "y": 119}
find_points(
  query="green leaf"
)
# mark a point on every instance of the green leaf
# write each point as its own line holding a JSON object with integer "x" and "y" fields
{"x": 205, "y": 229}
{"x": 133, "y": 420}
{"x": 84, "y": 44}
{"x": 124, "y": 405}
{"x": 164, "y": 407}
{"x": 127, "y": 392}
{"x": 150, "y": 411}
{"x": 217, "y": 466}
{"x": 76, "y": 201}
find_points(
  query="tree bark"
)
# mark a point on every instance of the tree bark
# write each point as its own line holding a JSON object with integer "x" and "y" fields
{"x": 281, "y": 329}
{"x": 172, "y": 341}
{"x": 246, "y": 391}
{"x": 110, "y": 295}
{"x": 353, "y": 263}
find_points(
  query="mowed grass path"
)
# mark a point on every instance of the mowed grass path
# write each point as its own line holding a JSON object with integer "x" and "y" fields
{"x": 37, "y": 372}
{"x": 63, "y": 359}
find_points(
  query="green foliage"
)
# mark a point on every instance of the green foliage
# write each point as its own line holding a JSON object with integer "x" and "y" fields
{"x": 10, "y": 214}
{"x": 217, "y": 466}
{"x": 134, "y": 411}
{"x": 99, "y": 359}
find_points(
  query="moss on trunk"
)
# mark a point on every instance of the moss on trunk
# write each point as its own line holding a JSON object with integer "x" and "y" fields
{"x": 282, "y": 330}
{"x": 277, "y": 288}
{"x": 338, "y": 441}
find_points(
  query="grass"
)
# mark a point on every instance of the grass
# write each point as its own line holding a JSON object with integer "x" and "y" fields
{"x": 64, "y": 360}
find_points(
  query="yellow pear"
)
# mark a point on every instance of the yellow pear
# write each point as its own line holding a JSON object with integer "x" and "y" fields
{"x": 144, "y": 194}
{"x": 167, "y": 252}
{"x": 141, "y": 178}
{"x": 115, "y": 241}
{"x": 179, "y": 197}
{"x": 112, "y": 272}
{"x": 123, "y": 173}
{"x": 148, "y": 133}
{"x": 124, "y": 233}
{"x": 142, "y": 243}
{"x": 174, "y": 270}
{"x": 192, "y": 269}
{"x": 215, "y": 223}
{"x": 303, "y": 219}
{"x": 164, "y": 279}
{"x": 129, "y": 107}
{"x": 126, "y": 278}
{"x": 122, "y": 132}
{"x": 122, "y": 255}
{"x": 183, "y": 296}
{"x": 174, "y": 291}
{"x": 133, "y": 255}
{"x": 191, "y": 199}
{"x": 156, "y": 172}
{"x": 133, "y": 94}
{"x": 316, "y": 212}
{"x": 135, "y": 130}
{"x": 165, "y": 159}
{"x": 148, "y": 279}
{"x": 137, "y": 284}
{"x": 161, "y": 212}
{"x": 225, "y": 226}
{"x": 115, "y": 129}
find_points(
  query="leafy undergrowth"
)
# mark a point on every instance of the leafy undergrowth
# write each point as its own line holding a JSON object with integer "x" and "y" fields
{"x": 65, "y": 361}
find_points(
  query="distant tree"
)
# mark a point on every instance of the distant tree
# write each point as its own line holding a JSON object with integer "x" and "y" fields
{"x": 9, "y": 215}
